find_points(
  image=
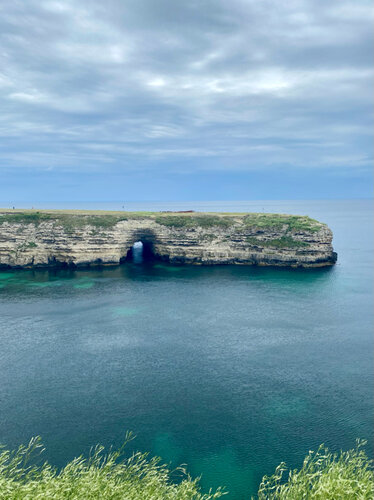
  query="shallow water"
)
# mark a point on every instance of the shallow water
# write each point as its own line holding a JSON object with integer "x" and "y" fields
{"x": 227, "y": 369}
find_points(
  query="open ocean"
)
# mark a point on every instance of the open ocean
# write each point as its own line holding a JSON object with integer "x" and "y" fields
{"x": 229, "y": 370}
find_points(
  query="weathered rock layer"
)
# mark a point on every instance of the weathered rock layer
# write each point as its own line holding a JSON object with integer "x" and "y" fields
{"x": 38, "y": 239}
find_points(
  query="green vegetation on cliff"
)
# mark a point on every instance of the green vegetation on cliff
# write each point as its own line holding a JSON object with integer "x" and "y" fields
{"x": 24, "y": 218}
{"x": 110, "y": 476}
{"x": 75, "y": 219}
{"x": 73, "y": 222}
{"x": 283, "y": 242}
{"x": 203, "y": 221}
{"x": 67, "y": 221}
{"x": 278, "y": 221}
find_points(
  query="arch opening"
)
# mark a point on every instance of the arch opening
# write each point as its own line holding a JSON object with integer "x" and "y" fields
{"x": 140, "y": 252}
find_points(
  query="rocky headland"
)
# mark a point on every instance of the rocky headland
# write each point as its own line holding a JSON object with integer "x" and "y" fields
{"x": 30, "y": 238}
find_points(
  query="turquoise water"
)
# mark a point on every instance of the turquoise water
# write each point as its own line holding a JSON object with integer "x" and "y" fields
{"x": 227, "y": 369}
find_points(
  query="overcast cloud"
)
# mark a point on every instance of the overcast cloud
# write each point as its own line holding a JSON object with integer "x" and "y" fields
{"x": 185, "y": 86}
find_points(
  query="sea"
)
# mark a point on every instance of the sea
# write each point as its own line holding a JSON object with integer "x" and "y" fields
{"x": 229, "y": 370}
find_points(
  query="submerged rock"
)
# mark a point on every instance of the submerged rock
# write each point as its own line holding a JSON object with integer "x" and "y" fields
{"x": 75, "y": 238}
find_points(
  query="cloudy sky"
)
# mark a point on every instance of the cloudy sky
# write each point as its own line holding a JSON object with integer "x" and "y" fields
{"x": 183, "y": 100}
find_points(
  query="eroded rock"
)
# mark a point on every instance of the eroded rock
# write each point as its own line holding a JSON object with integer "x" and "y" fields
{"x": 37, "y": 239}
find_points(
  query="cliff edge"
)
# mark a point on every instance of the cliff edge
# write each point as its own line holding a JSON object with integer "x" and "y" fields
{"x": 30, "y": 238}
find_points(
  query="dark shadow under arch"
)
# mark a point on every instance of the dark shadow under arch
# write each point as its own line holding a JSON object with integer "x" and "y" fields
{"x": 148, "y": 239}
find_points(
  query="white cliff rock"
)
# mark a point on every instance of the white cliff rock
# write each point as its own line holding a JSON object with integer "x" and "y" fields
{"x": 53, "y": 238}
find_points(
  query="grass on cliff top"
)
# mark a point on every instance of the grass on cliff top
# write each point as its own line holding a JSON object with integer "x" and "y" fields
{"x": 195, "y": 220}
{"x": 278, "y": 221}
{"x": 109, "y": 476}
{"x": 67, "y": 221}
{"x": 71, "y": 221}
{"x": 74, "y": 219}
{"x": 24, "y": 218}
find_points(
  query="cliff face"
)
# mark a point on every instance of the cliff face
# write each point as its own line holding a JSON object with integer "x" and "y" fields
{"x": 53, "y": 238}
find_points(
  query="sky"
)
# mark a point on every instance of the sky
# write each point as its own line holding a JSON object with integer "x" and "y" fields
{"x": 152, "y": 100}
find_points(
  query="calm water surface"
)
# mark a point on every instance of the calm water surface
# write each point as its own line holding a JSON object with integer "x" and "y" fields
{"x": 227, "y": 369}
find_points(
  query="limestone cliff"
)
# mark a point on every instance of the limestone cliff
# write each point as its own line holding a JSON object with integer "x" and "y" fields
{"x": 73, "y": 238}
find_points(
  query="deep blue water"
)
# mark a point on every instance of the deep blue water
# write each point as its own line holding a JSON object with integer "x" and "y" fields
{"x": 230, "y": 370}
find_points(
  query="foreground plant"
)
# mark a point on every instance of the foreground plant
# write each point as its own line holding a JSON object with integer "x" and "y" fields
{"x": 323, "y": 476}
{"x": 100, "y": 476}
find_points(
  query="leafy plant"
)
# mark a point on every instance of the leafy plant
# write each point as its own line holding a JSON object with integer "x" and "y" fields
{"x": 103, "y": 475}
{"x": 111, "y": 476}
{"x": 323, "y": 476}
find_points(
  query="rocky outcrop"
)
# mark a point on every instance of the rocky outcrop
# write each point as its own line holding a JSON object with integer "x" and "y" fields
{"x": 54, "y": 238}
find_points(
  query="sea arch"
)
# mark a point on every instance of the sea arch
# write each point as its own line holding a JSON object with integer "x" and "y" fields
{"x": 148, "y": 240}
